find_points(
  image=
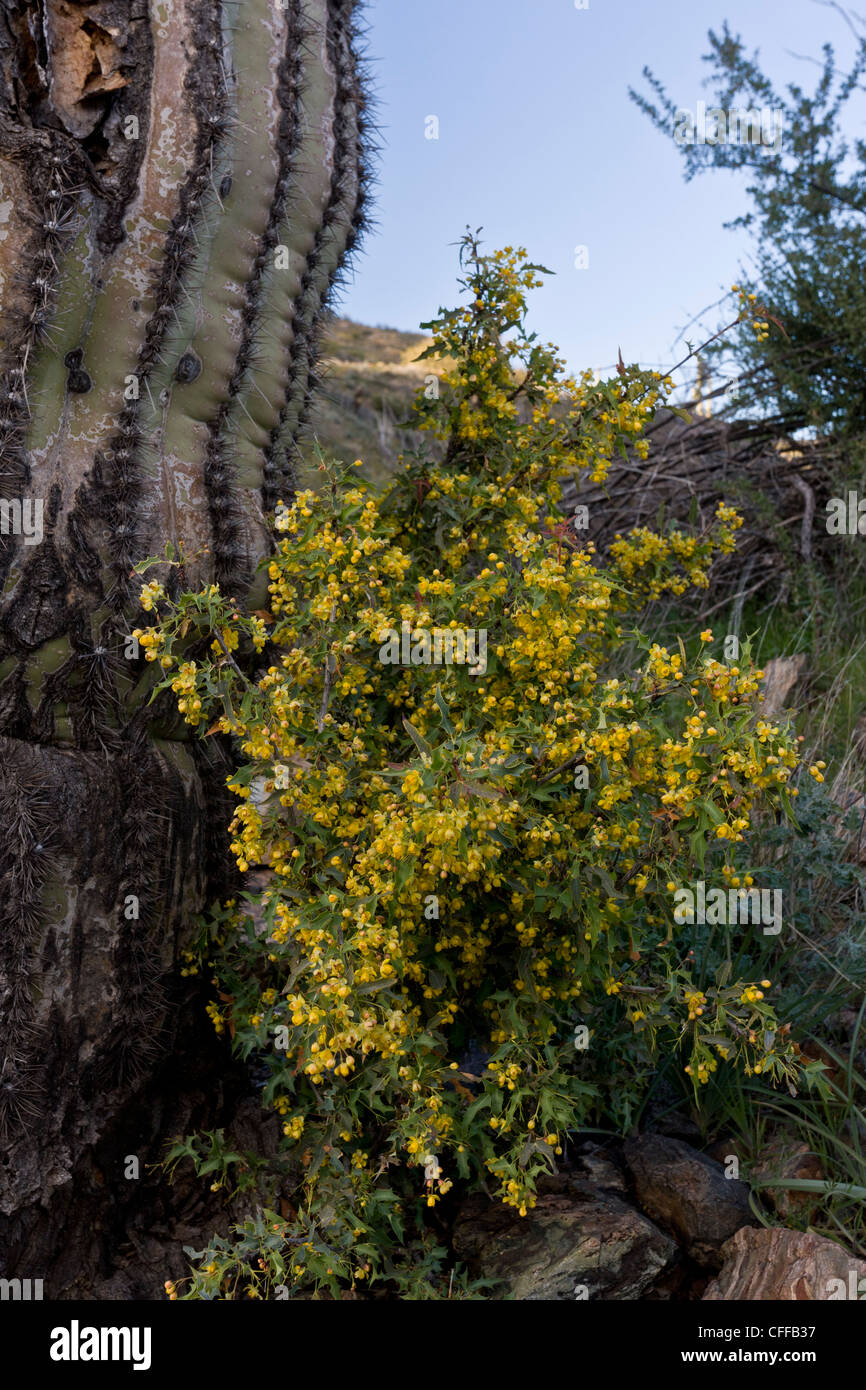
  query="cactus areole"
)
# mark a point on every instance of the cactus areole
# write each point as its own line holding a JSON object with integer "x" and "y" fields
{"x": 180, "y": 182}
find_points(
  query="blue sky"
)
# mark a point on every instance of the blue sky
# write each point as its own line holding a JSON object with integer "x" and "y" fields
{"x": 540, "y": 144}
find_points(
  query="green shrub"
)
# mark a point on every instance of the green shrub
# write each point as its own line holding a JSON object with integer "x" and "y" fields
{"x": 466, "y": 947}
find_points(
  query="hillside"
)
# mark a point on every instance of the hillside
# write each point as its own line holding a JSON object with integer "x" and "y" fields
{"x": 370, "y": 377}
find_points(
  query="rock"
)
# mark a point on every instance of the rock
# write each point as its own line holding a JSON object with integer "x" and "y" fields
{"x": 783, "y": 1158}
{"x": 781, "y": 674}
{"x": 723, "y": 1149}
{"x": 688, "y": 1194}
{"x": 595, "y": 1165}
{"x": 791, "y": 1265}
{"x": 574, "y": 1239}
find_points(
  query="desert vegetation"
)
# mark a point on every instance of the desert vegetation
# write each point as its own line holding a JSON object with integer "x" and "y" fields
{"x": 432, "y": 774}
{"x": 474, "y": 937}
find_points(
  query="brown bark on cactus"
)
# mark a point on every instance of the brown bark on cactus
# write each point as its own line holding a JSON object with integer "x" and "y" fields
{"x": 179, "y": 186}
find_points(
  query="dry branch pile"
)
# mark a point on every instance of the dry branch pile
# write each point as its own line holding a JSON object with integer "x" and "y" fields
{"x": 779, "y": 487}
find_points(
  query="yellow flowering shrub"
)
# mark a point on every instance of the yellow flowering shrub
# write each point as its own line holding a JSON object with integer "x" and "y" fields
{"x": 468, "y": 945}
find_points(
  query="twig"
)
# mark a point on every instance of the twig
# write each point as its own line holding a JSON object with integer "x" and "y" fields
{"x": 806, "y": 534}
{"x": 754, "y": 589}
{"x": 737, "y": 611}
{"x": 557, "y": 771}
{"x": 694, "y": 352}
{"x": 326, "y": 692}
{"x": 248, "y": 683}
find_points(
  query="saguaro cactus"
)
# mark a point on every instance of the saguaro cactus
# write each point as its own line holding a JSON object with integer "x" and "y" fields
{"x": 180, "y": 181}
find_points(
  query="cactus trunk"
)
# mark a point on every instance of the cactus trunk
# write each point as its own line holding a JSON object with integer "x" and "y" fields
{"x": 180, "y": 182}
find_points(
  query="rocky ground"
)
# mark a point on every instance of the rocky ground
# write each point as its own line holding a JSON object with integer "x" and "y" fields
{"x": 651, "y": 1218}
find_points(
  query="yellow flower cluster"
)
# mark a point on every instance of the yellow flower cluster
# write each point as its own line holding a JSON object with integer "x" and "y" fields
{"x": 150, "y": 595}
{"x": 643, "y": 558}
{"x": 749, "y": 307}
